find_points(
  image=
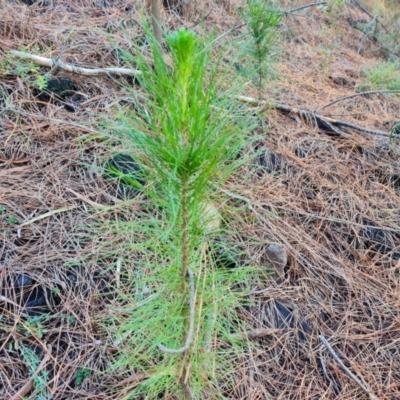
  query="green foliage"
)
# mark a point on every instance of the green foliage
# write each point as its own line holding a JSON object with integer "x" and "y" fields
{"x": 34, "y": 326}
{"x": 262, "y": 19}
{"x": 186, "y": 134}
{"x": 385, "y": 76}
{"x": 24, "y": 69}
{"x": 385, "y": 26}
{"x": 32, "y": 361}
{"x": 12, "y": 220}
{"x": 394, "y": 131}
{"x": 70, "y": 319}
{"x": 41, "y": 81}
{"x": 81, "y": 374}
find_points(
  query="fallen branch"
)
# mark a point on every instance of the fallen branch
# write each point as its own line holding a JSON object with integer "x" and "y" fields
{"x": 324, "y": 123}
{"x": 51, "y": 63}
{"x": 354, "y": 95}
{"x": 13, "y": 170}
{"x": 254, "y": 334}
{"x": 345, "y": 369}
{"x": 28, "y": 385}
{"x": 306, "y": 6}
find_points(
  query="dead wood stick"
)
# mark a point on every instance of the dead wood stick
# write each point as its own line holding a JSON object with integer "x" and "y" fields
{"x": 345, "y": 369}
{"x": 324, "y": 121}
{"x": 330, "y": 123}
{"x": 28, "y": 385}
{"x": 256, "y": 333}
{"x": 354, "y": 95}
{"x": 50, "y": 63}
{"x": 306, "y": 6}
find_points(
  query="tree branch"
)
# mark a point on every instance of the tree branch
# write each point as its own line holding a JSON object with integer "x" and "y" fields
{"x": 345, "y": 369}
{"x": 325, "y": 123}
{"x": 303, "y": 7}
{"x": 50, "y": 63}
{"x": 354, "y": 95}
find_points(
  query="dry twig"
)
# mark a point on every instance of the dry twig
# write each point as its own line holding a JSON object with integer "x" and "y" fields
{"x": 354, "y": 95}
{"x": 345, "y": 369}
{"x": 50, "y": 63}
{"x": 329, "y": 123}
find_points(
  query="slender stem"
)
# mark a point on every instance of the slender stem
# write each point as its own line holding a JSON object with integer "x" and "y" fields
{"x": 184, "y": 271}
{"x": 345, "y": 369}
{"x": 185, "y": 229}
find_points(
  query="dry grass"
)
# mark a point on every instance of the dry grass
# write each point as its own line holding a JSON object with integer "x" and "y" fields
{"x": 318, "y": 202}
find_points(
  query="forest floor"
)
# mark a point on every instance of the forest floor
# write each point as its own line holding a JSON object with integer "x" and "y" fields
{"x": 331, "y": 197}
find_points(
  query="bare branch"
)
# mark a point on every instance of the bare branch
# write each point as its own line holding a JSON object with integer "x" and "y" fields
{"x": 255, "y": 334}
{"x": 345, "y": 369}
{"x": 306, "y": 6}
{"x": 329, "y": 123}
{"x": 50, "y": 63}
{"x": 355, "y": 95}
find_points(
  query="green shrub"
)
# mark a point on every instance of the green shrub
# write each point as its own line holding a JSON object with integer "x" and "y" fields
{"x": 385, "y": 76}
{"x": 185, "y": 134}
{"x": 262, "y": 19}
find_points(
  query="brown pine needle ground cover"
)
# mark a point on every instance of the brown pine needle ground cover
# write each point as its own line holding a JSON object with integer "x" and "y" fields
{"x": 333, "y": 202}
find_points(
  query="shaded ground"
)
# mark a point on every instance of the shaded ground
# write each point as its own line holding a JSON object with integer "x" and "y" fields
{"x": 333, "y": 202}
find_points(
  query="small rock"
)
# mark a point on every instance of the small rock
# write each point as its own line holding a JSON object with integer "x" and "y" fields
{"x": 276, "y": 255}
{"x": 129, "y": 173}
